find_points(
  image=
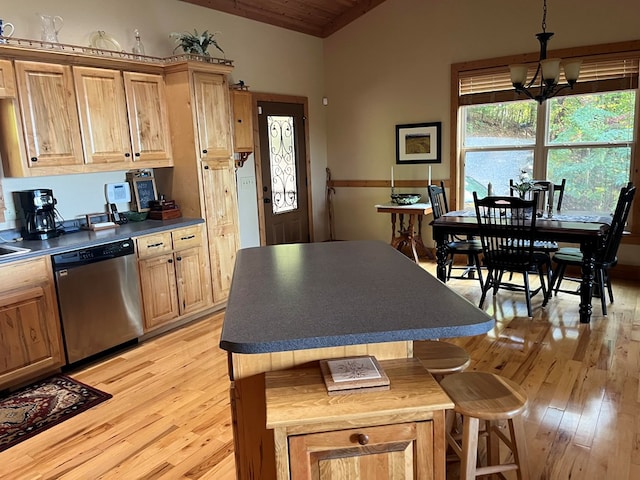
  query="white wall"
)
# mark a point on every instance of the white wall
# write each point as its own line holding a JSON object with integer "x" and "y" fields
{"x": 393, "y": 66}
{"x": 268, "y": 59}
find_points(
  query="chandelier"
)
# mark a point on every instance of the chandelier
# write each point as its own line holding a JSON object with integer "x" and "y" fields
{"x": 548, "y": 71}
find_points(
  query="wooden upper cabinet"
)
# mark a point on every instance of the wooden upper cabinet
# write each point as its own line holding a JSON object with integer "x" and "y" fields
{"x": 49, "y": 114}
{"x": 148, "y": 117}
{"x": 212, "y": 110}
{"x": 103, "y": 115}
{"x": 242, "y": 121}
{"x": 7, "y": 80}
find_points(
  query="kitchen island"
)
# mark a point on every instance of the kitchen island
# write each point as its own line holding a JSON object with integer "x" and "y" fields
{"x": 291, "y": 305}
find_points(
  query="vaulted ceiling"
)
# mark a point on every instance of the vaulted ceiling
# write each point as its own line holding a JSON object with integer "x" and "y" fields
{"x": 319, "y": 18}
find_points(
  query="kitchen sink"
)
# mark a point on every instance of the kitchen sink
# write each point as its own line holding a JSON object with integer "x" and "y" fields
{"x": 6, "y": 250}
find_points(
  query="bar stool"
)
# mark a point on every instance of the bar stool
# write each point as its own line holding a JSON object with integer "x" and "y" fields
{"x": 441, "y": 358}
{"x": 485, "y": 396}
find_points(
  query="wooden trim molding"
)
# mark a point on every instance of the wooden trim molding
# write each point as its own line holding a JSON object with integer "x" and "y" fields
{"x": 382, "y": 183}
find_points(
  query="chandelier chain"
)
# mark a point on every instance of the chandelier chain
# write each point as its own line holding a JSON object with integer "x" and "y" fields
{"x": 544, "y": 16}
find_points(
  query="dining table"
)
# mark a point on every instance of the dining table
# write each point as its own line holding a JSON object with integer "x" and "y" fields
{"x": 586, "y": 229}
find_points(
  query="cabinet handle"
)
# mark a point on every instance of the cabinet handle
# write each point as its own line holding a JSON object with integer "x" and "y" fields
{"x": 34, "y": 159}
{"x": 170, "y": 260}
{"x": 127, "y": 155}
{"x": 239, "y": 120}
{"x": 206, "y": 167}
{"x": 363, "y": 439}
{"x": 178, "y": 258}
{"x": 153, "y": 245}
{"x": 137, "y": 154}
{"x": 188, "y": 237}
{"x": 204, "y": 151}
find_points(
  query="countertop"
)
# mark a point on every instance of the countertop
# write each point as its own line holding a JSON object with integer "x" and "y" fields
{"x": 301, "y": 296}
{"x": 87, "y": 238}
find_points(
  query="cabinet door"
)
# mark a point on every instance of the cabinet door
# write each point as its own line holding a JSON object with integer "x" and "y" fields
{"x": 221, "y": 207}
{"x": 103, "y": 116}
{"x": 158, "y": 284}
{"x": 242, "y": 121}
{"x": 193, "y": 279}
{"x": 148, "y": 118}
{"x": 49, "y": 114}
{"x": 212, "y": 110}
{"x": 7, "y": 80}
{"x": 29, "y": 335}
{"x": 386, "y": 452}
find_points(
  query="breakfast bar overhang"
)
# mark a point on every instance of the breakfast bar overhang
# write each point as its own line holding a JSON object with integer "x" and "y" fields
{"x": 295, "y": 304}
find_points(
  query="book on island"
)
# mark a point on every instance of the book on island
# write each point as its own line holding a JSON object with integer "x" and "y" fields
{"x": 353, "y": 374}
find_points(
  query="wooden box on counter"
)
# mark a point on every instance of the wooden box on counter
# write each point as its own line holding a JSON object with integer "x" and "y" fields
{"x": 164, "y": 210}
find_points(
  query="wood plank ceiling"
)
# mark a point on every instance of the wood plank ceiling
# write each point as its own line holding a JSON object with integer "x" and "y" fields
{"x": 319, "y": 18}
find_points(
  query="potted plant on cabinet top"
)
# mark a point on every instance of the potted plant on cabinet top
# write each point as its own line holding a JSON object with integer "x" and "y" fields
{"x": 195, "y": 43}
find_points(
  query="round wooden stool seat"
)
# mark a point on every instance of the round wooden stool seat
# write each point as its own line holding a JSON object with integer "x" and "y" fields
{"x": 441, "y": 358}
{"x": 491, "y": 398}
{"x": 485, "y": 395}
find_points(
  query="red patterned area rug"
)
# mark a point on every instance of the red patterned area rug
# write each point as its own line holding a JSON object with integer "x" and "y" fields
{"x": 31, "y": 410}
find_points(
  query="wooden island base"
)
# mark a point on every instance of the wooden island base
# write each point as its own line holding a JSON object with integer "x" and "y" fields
{"x": 405, "y": 423}
{"x": 395, "y": 433}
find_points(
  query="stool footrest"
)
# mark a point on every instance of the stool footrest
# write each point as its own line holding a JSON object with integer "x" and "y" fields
{"x": 504, "y": 467}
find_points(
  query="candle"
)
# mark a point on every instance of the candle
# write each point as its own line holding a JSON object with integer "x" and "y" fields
{"x": 429, "y": 174}
{"x": 391, "y": 177}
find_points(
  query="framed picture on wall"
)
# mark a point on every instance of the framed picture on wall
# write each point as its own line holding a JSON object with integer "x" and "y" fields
{"x": 418, "y": 143}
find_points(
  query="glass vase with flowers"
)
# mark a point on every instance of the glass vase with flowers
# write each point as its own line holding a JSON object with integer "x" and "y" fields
{"x": 524, "y": 184}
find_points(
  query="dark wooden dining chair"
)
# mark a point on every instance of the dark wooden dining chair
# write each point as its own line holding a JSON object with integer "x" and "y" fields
{"x": 471, "y": 248}
{"x": 543, "y": 187}
{"x": 606, "y": 256}
{"x": 507, "y": 232}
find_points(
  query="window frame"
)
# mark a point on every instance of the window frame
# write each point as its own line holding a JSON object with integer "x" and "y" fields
{"x": 619, "y": 50}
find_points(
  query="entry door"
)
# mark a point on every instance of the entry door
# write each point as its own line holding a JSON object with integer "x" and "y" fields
{"x": 283, "y": 165}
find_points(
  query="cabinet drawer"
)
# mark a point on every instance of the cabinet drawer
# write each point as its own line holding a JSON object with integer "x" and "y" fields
{"x": 151, "y": 245}
{"x": 187, "y": 237}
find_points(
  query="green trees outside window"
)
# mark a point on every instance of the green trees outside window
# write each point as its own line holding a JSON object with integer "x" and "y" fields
{"x": 586, "y": 139}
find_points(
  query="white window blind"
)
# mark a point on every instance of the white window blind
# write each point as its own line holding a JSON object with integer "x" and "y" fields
{"x": 596, "y": 75}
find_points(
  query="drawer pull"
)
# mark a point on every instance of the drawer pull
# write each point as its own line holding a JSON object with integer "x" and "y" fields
{"x": 188, "y": 237}
{"x": 363, "y": 439}
{"x": 153, "y": 245}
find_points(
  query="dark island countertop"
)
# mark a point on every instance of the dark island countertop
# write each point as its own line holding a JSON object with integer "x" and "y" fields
{"x": 313, "y": 295}
{"x": 87, "y": 238}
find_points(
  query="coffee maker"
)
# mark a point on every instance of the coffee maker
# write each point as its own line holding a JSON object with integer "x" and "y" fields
{"x": 38, "y": 214}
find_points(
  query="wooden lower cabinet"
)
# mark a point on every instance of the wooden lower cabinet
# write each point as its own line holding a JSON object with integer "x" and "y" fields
{"x": 389, "y": 434}
{"x": 401, "y": 451}
{"x": 30, "y": 333}
{"x": 174, "y": 275}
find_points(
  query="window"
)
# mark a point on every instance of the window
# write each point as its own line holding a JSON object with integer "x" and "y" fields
{"x": 586, "y": 139}
{"x": 588, "y": 136}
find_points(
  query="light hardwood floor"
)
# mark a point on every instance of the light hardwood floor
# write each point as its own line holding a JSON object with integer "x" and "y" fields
{"x": 170, "y": 419}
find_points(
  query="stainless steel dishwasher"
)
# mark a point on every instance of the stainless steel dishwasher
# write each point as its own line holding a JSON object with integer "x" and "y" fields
{"x": 99, "y": 298}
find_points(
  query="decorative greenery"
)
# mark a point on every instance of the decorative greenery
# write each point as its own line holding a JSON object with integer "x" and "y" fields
{"x": 524, "y": 183}
{"x": 195, "y": 43}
